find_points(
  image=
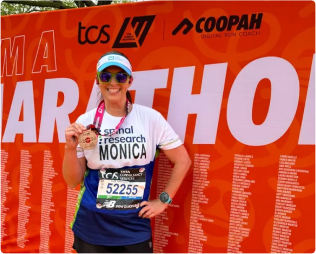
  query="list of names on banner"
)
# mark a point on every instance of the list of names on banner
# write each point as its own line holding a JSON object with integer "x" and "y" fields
{"x": 4, "y": 190}
{"x": 200, "y": 173}
{"x": 162, "y": 232}
{"x": 238, "y": 221}
{"x": 287, "y": 187}
{"x": 72, "y": 195}
{"x": 47, "y": 204}
{"x": 23, "y": 216}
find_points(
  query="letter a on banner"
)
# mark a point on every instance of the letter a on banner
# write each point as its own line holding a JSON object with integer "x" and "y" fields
{"x": 57, "y": 114}
{"x": 46, "y": 53}
{"x": 23, "y": 101}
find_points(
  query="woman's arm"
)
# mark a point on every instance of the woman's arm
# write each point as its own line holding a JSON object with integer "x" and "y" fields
{"x": 73, "y": 167}
{"x": 181, "y": 160}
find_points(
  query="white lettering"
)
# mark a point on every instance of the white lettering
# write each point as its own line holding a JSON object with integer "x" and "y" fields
{"x": 93, "y": 100}
{"x": 145, "y": 92}
{"x": 206, "y": 105}
{"x": 23, "y": 96}
{"x": 12, "y": 57}
{"x": 283, "y": 102}
{"x": 307, "y": 135}
{"x": 52, "y": 113}
{"x": 46, "y": 53}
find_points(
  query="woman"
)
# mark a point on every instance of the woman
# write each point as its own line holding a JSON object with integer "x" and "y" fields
{"x": 114, "y": 211}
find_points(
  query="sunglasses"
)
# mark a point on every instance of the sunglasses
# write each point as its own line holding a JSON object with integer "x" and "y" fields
{"x": 106, "y": 77}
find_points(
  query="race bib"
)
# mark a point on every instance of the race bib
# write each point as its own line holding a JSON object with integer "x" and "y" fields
{"x": 121, "y": 189}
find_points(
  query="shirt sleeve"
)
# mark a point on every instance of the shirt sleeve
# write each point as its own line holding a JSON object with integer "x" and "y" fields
{"x": 167, "y": 138}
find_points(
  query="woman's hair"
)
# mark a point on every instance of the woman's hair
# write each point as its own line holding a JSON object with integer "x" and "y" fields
{"x": 128, "y": 94}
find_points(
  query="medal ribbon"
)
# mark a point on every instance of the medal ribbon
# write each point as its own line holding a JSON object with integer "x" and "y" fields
{"x": 99, "y": 117}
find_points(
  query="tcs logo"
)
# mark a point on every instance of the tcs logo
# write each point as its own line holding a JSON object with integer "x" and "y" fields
{"x": 83, "y": 34}
{"x": 109, "y": 175}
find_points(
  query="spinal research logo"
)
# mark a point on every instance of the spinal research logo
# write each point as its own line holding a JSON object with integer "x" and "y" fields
{"x": 222, "y": 23}
{"x": 133, "y": 33}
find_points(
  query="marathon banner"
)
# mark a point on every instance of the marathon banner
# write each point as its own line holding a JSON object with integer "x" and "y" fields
{"x": 235, "y": 80}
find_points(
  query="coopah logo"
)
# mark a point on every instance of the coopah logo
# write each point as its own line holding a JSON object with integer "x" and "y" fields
{"x": 222, "y": 23}
{"x": 86, "y": 30}
{"x": 132, "y": 34}
{"x": 184, "y": 23}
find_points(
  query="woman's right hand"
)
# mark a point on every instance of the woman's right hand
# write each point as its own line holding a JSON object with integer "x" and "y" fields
{"x": 72, "y": 133}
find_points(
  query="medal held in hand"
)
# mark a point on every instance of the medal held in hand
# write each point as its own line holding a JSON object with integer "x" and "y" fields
{"x": 88, "y": 140}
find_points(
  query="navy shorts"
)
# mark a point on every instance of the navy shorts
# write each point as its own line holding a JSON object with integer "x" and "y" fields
{"x": 83, "y": 247}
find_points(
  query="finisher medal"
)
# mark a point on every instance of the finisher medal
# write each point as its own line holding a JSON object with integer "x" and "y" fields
{"x": 88, "y": 140}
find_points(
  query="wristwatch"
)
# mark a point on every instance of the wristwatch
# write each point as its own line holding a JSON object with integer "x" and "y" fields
{"x": 164, "y": 198}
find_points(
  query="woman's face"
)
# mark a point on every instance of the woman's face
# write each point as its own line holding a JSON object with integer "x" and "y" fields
{"x": 114, "y": 92}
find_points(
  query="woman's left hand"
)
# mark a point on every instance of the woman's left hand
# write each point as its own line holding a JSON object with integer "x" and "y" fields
{"x": 151, "y": 208}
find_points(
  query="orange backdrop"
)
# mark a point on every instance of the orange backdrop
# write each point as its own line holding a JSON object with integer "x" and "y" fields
{"x": 236, "y": 80}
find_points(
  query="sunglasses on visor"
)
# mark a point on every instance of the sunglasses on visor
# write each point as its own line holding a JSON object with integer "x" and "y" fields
{"x": 106, "y": 77}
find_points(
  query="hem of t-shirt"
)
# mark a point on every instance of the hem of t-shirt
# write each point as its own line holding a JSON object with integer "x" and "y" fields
{"x": 104, "y": 243}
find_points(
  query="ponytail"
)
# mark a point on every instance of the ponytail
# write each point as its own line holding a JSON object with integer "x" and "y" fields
{"x": 129, "y": 96}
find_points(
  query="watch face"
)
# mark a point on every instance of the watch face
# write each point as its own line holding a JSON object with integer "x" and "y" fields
{"x": 164, "y": 197}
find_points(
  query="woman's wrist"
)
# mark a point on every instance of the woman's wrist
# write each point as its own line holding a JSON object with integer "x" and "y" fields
{"x": 70, "y": 148}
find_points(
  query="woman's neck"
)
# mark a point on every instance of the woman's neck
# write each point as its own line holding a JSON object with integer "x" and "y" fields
{"x": 115, "y": 109}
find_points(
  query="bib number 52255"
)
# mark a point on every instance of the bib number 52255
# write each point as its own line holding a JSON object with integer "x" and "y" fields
{"x": 121, "y": 189}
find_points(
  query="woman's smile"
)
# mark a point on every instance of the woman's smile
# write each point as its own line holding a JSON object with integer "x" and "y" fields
{"x": 113, "y": 90}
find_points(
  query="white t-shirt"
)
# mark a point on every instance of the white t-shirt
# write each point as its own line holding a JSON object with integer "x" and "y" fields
{"x": 143, "y": 131}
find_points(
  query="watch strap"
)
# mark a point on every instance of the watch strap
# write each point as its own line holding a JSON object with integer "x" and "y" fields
{"x": 166, "y": 201}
